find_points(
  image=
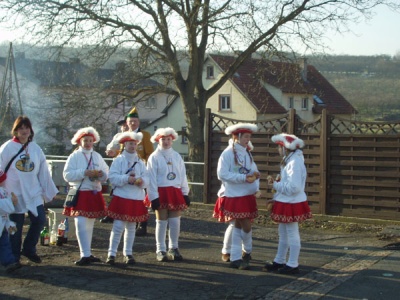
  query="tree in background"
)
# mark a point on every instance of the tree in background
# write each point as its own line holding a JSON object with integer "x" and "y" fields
{"x": 167, "y": 33}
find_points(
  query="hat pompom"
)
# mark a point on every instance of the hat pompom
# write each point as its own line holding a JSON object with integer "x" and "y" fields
{"x": 241, "y": 128}
{"x": 87, "y": 131}
{"x": 129, "y": 136}
{"x": 3, "y": 176}
{"x": 163, "y": 132}
{"x": 289, "y": 141}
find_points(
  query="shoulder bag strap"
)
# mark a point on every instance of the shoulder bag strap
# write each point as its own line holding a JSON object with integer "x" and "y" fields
{"x": 86, "y": 169}
{"x": 12, "y": 159}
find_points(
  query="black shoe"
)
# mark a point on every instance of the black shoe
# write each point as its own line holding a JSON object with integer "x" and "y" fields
{"x": 162, "y": 256}
{"x": 84, "y": 261}
{"x": 12, "y": 267}
{"x": 174, "y": 254}
{"x": 286, "y": 270}
{"x": 236, "y": 264}
{"x": 110, "y": 260}
{"x": 129, "y": 260}
{"x": 272, "y": 267}
{"x": 141, "y": 230}
{"x": 94, "y": 259}
{"x": 106, "y": 219}
{"x": 33, "y": 257}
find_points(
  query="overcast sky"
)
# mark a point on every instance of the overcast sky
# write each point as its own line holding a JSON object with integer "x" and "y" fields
{"x": 381, "y": 35}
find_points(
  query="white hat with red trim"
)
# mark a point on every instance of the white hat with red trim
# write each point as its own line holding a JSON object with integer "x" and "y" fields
{"x": 129, "y": 136}
{"x": 241, "y": 128}
{"x": 163, "y": 132}
{"x": 87, "y": 131}
{"x": 289, "y": 141}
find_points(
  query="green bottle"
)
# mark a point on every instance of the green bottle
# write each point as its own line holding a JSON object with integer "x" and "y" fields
{"x": 45, "y": 237}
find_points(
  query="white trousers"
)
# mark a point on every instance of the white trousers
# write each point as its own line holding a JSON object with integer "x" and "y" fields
{"x": 289, "y": 241}
{"x": 173, "y": 234}
{"x": 129, "y": 230}
{"x": 84, "y": 233}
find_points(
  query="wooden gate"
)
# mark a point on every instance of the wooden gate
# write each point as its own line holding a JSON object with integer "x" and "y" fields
{"x": 353, "y": 167}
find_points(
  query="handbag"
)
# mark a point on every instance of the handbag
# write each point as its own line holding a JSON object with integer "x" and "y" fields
{"x": 71, "y": 200}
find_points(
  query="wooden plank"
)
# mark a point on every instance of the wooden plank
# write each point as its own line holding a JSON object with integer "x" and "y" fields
{"x": 362, "y": 182}
{"x": 364, "y": 192}
{"x": 374, "y": 154}
{"x": 364, "y": 163}
{"x": 372, "y": 173}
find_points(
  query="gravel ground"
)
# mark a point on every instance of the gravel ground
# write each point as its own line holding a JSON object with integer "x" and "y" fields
{"x": 202, "y": 274}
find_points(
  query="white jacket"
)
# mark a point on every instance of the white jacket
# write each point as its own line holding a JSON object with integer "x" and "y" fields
{"x": 76, "y": 165}
{"x": 158, "y": 168}
{"x": 32, "y": 185}
{"x": 233, "y": 182}
{"x": 290, "y": 189}
{"x": 119, "y": 178}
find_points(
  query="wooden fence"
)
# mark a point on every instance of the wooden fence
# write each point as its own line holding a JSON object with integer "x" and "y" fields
{"x": 353, "y": 167}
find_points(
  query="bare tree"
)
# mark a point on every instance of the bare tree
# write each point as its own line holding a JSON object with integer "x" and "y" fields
{"x": 169, "y": 32}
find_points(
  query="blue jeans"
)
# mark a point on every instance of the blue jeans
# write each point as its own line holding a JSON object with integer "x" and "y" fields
{"x": 33, "y": 234}
{"x": 6, "y": 255}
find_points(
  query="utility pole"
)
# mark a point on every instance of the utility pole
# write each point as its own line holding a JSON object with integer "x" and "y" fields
{"x": 7, "y": 89}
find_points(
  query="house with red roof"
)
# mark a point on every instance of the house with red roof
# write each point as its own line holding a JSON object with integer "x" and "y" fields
{"x": 262, "y": 89}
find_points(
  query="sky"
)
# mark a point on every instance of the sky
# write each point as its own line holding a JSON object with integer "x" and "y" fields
{"x": 381, "y": 35}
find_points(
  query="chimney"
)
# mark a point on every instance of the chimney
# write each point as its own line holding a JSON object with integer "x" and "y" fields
{"x": 303, "y": 68}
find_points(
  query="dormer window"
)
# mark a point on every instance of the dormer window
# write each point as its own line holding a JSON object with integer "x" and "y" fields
{"x": 210, "y": 72}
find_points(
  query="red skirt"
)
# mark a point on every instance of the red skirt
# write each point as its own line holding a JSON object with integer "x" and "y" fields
{"x": 171, "y": 198}
{"x": 227, "y": 209}
{"x": 89, "y": 205}
{"x": 290, "y": 212}
{"x": 127, "y": 210}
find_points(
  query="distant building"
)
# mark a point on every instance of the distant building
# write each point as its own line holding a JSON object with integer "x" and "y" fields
{"x": 260, "y": 90}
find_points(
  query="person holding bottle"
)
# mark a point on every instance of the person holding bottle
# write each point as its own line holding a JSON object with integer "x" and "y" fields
{"x": 168, "y": 192}
{"x": 237, "y": 196}
{"x": 86, "y": 169}
{"x": 290, "y": 205}
{"x": 128, "y": 175}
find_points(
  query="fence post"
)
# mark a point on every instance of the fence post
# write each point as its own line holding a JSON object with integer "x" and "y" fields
{"x": 323, "y": 164}
{"x": 206, "y": 170}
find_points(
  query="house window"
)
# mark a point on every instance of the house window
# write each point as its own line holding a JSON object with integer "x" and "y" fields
{"x": 151, "y": 103}
{"x": 304, "y": 104}
{"x": 184, "y": 135}
{"x": 210, "y": 72}
{"x": 225, "y": 103}
{"x": 291, "y": 102}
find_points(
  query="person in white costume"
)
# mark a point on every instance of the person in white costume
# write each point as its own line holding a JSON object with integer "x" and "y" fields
{"x": 29, "y": 178}
{"x": 7, "y": 203}
{"x": 86, "y": 169}
{"x": 128, "y": 175}
{"x": 290, "y": 205}
{"x": 237, "y": 196}
{"x": 168, "y": 192}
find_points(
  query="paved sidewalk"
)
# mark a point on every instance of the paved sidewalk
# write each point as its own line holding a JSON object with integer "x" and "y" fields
{"x": 334, "y": 265}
